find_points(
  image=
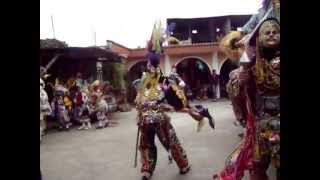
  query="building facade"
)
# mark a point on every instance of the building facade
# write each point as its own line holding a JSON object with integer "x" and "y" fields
{"x": 196, "y": 54}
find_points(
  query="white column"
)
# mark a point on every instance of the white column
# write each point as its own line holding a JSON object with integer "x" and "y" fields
{"x": 218, "y": 91}
{"x": 167, "y": 65}
{"x": 227, "y": 26}
{"x": 215, "y": 62}
{"x": 215, "y": 65}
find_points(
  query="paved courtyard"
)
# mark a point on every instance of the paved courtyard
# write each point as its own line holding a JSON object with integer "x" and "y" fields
{"x": 109, "y": 153}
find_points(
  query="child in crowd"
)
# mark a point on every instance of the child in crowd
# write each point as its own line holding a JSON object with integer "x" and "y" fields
{"x": 81, "y": 109}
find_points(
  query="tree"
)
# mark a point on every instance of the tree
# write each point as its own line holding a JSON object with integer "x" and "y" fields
{"x": 119, "y": 69}
{"x": 52, "y": 43}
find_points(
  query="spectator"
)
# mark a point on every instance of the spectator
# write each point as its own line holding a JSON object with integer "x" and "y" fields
{"x": 81, "y": 109}
{"x": 215, "y": 83}
{"x": 108, "y": 95}
{"x": 61, "y": 105}
{"x": 189, "y": 93}
{"x": 60, "y": 110}
{"x": 205, "y": 92}
{"x": 98, "y": 105}
{"x": 45, "y": 108}
{"x": 80, "y": 82}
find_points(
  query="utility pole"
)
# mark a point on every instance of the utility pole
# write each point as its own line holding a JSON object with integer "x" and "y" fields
{"x": 95, "y": 38}
{"x": 54, "y": 35}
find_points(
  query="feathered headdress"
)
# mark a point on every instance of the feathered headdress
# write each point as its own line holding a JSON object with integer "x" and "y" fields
{"x": 150, "y": 79}
{"x": 154, "y": 45}
{"x": 228, "y": 47}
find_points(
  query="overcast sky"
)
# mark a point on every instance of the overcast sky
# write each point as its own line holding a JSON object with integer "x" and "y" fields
{"x": 128, "y": 22}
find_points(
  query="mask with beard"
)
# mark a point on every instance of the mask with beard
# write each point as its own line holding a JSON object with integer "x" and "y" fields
{"x": 269, "y": 34}
{"x": 268, "y": 57}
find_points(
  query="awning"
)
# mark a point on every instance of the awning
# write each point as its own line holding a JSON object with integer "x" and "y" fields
{"x": 77, "y": 53}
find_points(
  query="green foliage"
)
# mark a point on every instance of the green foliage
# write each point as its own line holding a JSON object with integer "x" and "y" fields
{"x": 118, "y": 77}
{"x": 52, "y": 43}
{"x": 114, "y": 73}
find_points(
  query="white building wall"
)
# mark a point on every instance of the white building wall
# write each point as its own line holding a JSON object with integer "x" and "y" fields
{"x": 167, "y": 65}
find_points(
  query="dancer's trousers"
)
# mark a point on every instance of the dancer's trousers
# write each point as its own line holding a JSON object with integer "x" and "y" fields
{"x": 168, "y": 138}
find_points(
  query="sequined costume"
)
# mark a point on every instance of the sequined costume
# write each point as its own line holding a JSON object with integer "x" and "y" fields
{"x": 61, "y": 105}
{"x": 152, "y": 118}
{"x": 233, "y": 89}
{"x": 45, "y": 109}
{"x": 98, "y": 106}
{"x": 257, "y": 86}
{"x": 175, "y": 96}
{"x": 82, "y": 109}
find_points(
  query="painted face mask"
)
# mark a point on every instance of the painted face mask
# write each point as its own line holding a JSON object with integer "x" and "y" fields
{"x": 269, "y": 34}
{"x": 151, "y": 68}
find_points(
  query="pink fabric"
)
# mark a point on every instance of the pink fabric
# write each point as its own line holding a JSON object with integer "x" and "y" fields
{"x": 235, "y": 170}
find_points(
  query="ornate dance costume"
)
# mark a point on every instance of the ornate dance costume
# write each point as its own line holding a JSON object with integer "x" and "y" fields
{"x": 45, "y": 109}
{"x": 175, "y": 96}
{"x": 82, "y": 109}
{"x": 60, "y": 106}
{"x": 233, "y": 90}
{"x": 98, "y": 106}
{"x": 152, "y": 120}
{"x": 258, "y": 87}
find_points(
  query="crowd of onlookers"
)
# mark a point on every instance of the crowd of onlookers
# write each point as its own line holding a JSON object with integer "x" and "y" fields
{"x": 80, "y": 102}
{"x": 76, "y": 102}
{"x": 204, "y": 92}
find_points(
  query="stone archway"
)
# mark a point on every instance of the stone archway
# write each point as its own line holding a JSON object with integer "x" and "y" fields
{"x": 197, "y": 75}
{"x": 226, "y": 67}
{"x": 134, "y": 72}
{"x": 194, "y": 57}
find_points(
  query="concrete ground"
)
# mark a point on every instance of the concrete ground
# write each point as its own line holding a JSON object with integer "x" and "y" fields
{"x": 109, "y": 153}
